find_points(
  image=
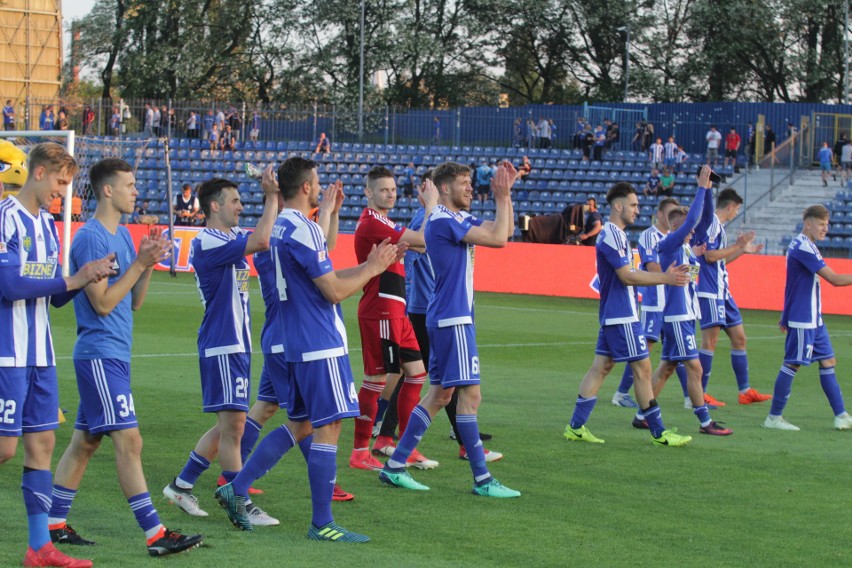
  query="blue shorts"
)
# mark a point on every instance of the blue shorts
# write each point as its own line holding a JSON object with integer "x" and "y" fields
{"x": 225, "y": 382}
{"x": 669, "y": 162}
{"x": 716, "y": 312}
{"x": 321, "y": 391}
{"x": 106, "y": 403}
{"x": 622, "y": 342}
{"x": 825, "y": 167}
{"x": 679, "y": 341}
{"x": 803, "y": 346}
{"x": 453, "y": 357}
{"x": 29, "y": 400}
{"x": 273, "y": 379}
{"x": 652, "y": 325}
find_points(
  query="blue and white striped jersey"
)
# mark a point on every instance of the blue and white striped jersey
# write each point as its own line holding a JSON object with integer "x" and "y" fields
{"x": 653, "y": 297}
{"x": 713, "y": 279}
{"x": 681, "y": 301}
{"x": 32, "y": 244}
{"x": 618, "y": 302}
{"x": 271, "y": 336}
{"x": 802, "y": 299}
{"x": 222, "y": 276}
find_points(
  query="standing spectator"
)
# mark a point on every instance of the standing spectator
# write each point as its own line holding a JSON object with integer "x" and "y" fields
{"x": 532, "y": 134}
{"x": 186, "y": 206}
{"x": 517, "y": 133}
{"x": 115, "y": 122}
{"x": 638, "y": 136}
{"x": 228, "y": 139}
{"x": 172, "y": 131}
{"x": 648, "y": 136}
{"x": 254, "y": 132}
{"x": 208, "y": 122}
{"x": 192, "y": 125}
{"x": 714, "y": 139}
{"x": 769, "y": 143}
{"x": 681, "y": 158}
{"x": 149, "y": 121}
{"x": 88, "y": 120}
{"x": 552, "y": 132}
{"x": 9, "y": 116}
{"x": 588, "y": 141}
{"x": 732, "y": 147}
{"x": 235, "y": 120}
{"x": 600, "y": 142}
{"x": 436, "y": 134}
{"x": 826, "y": 157}
{"x": 845, "y": 163}
{"x": 544, "y": 133}
{"x": 579, "y": 132}
{"x": 408, "y": 180}
{"x": 750, "y": 144}
{"x": 157, "y": 119}
{"x": 323, "y": 145}
{"x": 652, "y": 184}
{"x": 61, "y": 121}
{"x": 214, "y": 138}
{"x": 484, "y": 173}
{"x": 655, "y": 154}
{"x": 220, "y": 120}
{"x": 838, "y": 151}
{"x": 593, "y": 224}
{"x": 124, "y": 112}
{"x": 670, "y": 153}
{"x": 47, "y": 119}
{"x": 613, "y": 136}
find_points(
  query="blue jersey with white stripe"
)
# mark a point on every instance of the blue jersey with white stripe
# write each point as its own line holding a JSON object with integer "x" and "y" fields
{"x": 312, "y": 326}
{"x": 713, "y": 280}
{"x": 32, "y": 244}
{"x": 272, "y": 333}
{"x": 452, "y": 262}
{"x": 653, "y": 297}
{"x": 681, "y": 301}
{"x": 222, "y": 276}
{"x": 110, "y": 336}
{"x": 419, "y": 276}
{"x": 802, "y": 299}
{"x": 618, "y": 302}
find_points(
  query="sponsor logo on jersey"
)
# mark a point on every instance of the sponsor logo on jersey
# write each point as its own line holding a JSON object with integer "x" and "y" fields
{"x": 40, "y": 270}
{"x": 242, "y": 280}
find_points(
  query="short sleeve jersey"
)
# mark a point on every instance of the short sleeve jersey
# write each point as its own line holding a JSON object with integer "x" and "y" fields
{"x": 419, "y": 275}
{"x": 110, "y": 336}
{"x": 222, "y": 276}
{"x": 313, "y": 327}
{"x": 384, "y": 295}
{"x": 653, "y": 297}
{"x": 30, "y": 244}
{"x": 452, "y": 262}
{"x": 618, "y": 302}
{"x": 802, "y": 299}
{"x": 670, "y": 150}
{"x": 656, "y": 151}
{"x": 713, "y": 138}
{"x": 825, "y": 155}
{"x": 713, "y": 277}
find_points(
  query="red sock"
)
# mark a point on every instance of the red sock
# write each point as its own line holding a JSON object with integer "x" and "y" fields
{"x": 409, "y": 396}
{"x": 368, "y": 402}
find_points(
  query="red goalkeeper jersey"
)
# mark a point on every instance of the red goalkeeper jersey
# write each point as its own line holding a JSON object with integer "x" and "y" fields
{"x": 384, "y": 295}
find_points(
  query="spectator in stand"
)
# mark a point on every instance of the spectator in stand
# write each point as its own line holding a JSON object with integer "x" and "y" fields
{"x": 838, "y": 151}
{"x": 652, "y": 185}
{"x": 192, "y": 125}
{"x": 826, "y": 159}
{"x": 148, "y": 124}
{"x": 323, "y": 145}
{"x": 648, "y": 136}
{"x": 681, "y": 158}
{"x": 517, "y": 133}
{"x": 228, "y": 139}
{"x": 484, "y": 174}
{"x": 714, "y": 139}
{"x": 600, "y": 142}
{"x": 436, "y": 133}
{"x": 115, "y": 122}
{"x": 525, "y": 168}
{"x": 186, "y": 206}
{"x": 208, "y": 122}
{"x": 667, "y": 182}
{"x": 845, "y": 163}
{"x": 579, "y": 132}
{"x": 638, "y": 136}
{"x": 532, "y": 134}
{"x": 544, "y": 133}
{"x": 62, "y": 121}
{"x": 552, "y": 132}
{"x": 88, "y": 120}
{"x": 593, "y": 224}
{"x": 235, "y": 119}
{"x": 254, "y": 132}
{"x": 588, "y": 142}
{"x": 156, "y": 121}
{"x": 47, "y": 120}
{"x": 9, "y": 116}
{"x": 656, "y": 153}
{"x": 613, "y": 135}
{"x": 670, "y": 153}
{"x": 76, "y": 208}
{"x": 124, "y": 113}
{"x": 220, "y": 120}
{"x": 732, "y": 147}
{"x": 408, "y": 180}
{"x": 173, "y": 130}
{"x": 750, "y": 145}
{"x": 214, "y": 138}
{"x": 769, "y": 143}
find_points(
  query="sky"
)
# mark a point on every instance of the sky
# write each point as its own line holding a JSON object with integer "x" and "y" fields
{"x": 74, "y": 9}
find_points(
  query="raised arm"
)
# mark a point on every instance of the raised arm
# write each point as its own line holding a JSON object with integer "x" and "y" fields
{"x": 259, "y": 239}
{"x": 495, "y": 234}
{"x": 329, "y": 212}
{"x": 706, "y": 219}
{"x": 428, "y": 195}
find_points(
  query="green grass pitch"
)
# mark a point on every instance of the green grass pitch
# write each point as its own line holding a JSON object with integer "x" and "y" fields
{"x": 757, "y": 498}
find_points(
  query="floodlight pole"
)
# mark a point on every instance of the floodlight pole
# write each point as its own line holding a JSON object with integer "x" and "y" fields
{"x": 626, "y": 31}
{"x": 361, "y": 80}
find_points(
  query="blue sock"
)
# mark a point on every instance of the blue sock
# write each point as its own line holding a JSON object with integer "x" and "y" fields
{"x": 146, "y": 515}
{"x": 271, "y": 449}
{"x": 380, "y": 410}
{"x": 706, "y": 359}
{"x": 305, "y": 446}
{"x": 469, "y": 432}
{"x": 828, "y": 380}
{"x": 61, "y": 506}
{"x": 654, "y": 418}
{"x": 249, "y": 439}
{"x": 229, "y": 475}
{"x": 582, "y": 410}
{"x": 322, "y": 472}
{"x": 36, "y": 485}
{"x": 195, "y": 466}
{"x": 626, "y": 380}
{"x": 739, "y": 361}
{"x": 783, "y": 387}
{"x": 703, "y": 414}
{"x": 681, "y": 376}
{"x": 417, "y": 425}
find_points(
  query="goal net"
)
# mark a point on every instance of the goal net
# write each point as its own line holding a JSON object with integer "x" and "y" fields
{"x": 79, "y": 202}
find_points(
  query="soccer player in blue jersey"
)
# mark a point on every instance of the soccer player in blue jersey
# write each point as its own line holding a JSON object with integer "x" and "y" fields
{"x": 681, "y": 304}
{"x": 218, "y": 256}
{"x": 718, "y": 308}
{"x": 807, "y": 336}
{"x": 317, "y": 378}
{"x": 454, "y": 362}
{"x": 102, "y": 360}
{"x": 620, "y": 338}
{"x": 29, "y": 398}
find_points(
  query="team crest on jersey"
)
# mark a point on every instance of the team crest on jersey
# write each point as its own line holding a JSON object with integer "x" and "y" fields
{"x": 322, "y": 256}
{"x": 3, "y": 248}
{"x": 28, "y": 243}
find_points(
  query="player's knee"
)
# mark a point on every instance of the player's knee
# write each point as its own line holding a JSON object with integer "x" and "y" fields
{"x": 129, "y": 442}
{"x": 7, "y": 452}
{"x": 828, "y": 363}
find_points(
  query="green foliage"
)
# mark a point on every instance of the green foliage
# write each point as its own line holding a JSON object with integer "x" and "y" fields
{"x": 757, "y": 498}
